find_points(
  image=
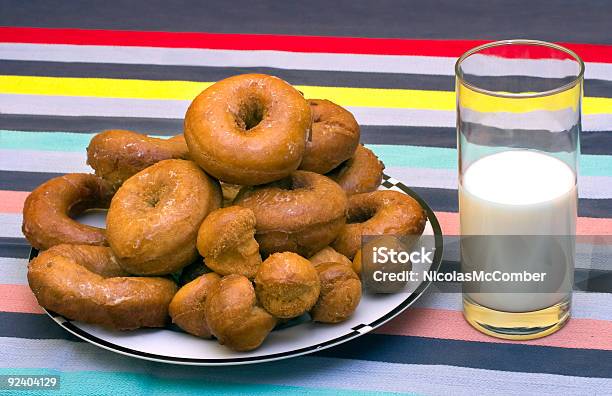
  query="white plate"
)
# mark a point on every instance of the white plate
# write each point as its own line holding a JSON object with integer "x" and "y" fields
{"x": 295, "y": 338}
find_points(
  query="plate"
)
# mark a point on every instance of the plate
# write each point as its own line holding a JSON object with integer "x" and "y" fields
{"x": 298, "y": 337}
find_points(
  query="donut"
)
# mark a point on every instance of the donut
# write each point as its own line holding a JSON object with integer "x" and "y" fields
{"x": 117, "y": 154}
{"x": 335, "y": 136}
{"x": 226, "y": 240}
{"x": 340, "y": 293}
{"x": 302, "y": 213}
{"x": 234, "y": 316}
{"x": 248, "y": 129}
{"x": 154, "y": 217}
{"x": 329, "y": 255}
{"x": 86, "y": 283}
{"x": 365, "y": 265}
{"x": 48, "y": 210}
{"x": 360, "y": 174}
{"x": 379, "y": 213}
{"x": 187, "y": 306}
{"x": 287, "y": 285}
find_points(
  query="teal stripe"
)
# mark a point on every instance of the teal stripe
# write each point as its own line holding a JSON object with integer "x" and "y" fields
{"x": 122, "y": 383}
{"x": 50, "y": 141}
{"x": 391, "y": 155}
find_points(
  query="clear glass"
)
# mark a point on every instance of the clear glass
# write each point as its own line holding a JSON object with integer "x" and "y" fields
{"x": 518, "y": 129}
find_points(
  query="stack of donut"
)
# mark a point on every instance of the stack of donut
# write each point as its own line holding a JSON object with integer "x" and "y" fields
{"x": 250, "y": 218}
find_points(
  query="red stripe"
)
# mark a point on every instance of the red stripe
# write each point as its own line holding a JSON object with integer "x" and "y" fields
{"x": 450, "y": 325}
{"x": 348, "y": 45}
{"x": 18, "y": 298}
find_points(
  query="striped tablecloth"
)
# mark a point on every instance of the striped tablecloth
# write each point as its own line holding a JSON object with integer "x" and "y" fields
{"x": 68, "y": 70}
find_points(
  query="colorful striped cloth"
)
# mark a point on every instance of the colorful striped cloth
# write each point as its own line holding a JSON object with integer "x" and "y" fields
{"x": 68, "y": 71}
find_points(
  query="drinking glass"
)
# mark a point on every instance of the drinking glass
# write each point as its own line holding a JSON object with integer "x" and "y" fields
{"x": 518, "y": 129}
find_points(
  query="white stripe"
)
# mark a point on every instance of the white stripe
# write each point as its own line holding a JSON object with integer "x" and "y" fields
{"x": 588, "y": 186}
{"x": 44, "y": 161}
{"x": 405, "y": 64}
{"x": 10, "y": 225}
{"x": 308, "y": 371}
{"x": 14, "y": 271}
{"x": 148, "y": 108}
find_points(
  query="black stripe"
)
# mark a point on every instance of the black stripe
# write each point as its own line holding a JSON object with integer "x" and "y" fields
{"x": 597, "y": 143}
{"x": 14, "y": 247}
{"x": 32, "y": 326}
{"x": 489, "y": 356}
{"x": 23, "y": 181}
{"x": 156, "y": 126}
{"x": 561, "y": 20}
{"x": 445, "y": 200}
{"x": 440, "y": 199}
{"x": 596, "y": 88}
{"x": 585, "y": 279}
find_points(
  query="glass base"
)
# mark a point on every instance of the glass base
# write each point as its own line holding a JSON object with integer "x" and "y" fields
{"x": 516, "y": 325}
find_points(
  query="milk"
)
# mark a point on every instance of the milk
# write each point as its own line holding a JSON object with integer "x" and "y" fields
{"x": 520, "y": 193}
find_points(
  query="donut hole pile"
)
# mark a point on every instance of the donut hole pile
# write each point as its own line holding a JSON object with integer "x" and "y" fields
{"x": 249, "y": 219}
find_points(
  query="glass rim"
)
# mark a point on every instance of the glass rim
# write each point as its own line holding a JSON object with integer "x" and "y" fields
{"x": 510, "y": 95}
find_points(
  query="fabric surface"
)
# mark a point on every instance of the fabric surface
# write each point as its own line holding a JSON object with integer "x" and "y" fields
{"x": 68, "y": 71}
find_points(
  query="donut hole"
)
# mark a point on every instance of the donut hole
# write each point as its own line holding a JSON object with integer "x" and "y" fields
{"x": 250, "y": 113}
{"x": 292, "y": 184}
{"x": 361, "y": 215}
{"x": 153, "y": 197}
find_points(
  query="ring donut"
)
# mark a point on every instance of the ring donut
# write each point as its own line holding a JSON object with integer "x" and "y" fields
{"x": 379, "y": 213}
{"x": 248, "y": 129}
{"x": 335, "y": 136}
{"x": 153, "y": 219}
{"x": 302, "y": 213}
{"x": 85, "y": 283}
{"x": 48, "y": 210}
{"x": 117, "y": 154}
{"x": 360, "y": 174}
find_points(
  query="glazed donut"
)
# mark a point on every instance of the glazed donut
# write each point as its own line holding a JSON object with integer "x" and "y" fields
{"x": 340, "y": 293}
{"x": 117, "y": 154}
{"x": 301, "y": 214}
{"x": 153, "y": 219}
{"x": 379, "y": 213}
{"x": 329, "y": 255}
{"x": 226, "y": 240}
{"x": 47, "y": 211}
{"x": 187, "y": 307}
{"x": 335, "y": 136}
{"x": 234, "y": 315}
{"x": 248, "y": 129}
{"x": 85, "y": 283}
{"x": 287, "y": 285}
{"x": 360, "y": 174}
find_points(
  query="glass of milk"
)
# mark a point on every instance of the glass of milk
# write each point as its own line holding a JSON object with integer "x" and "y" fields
{"x": 518, "y": 128}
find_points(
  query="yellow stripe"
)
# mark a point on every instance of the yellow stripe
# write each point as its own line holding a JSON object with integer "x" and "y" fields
{"x": 187, "y": 90}
{"x": 484, "y": 103}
